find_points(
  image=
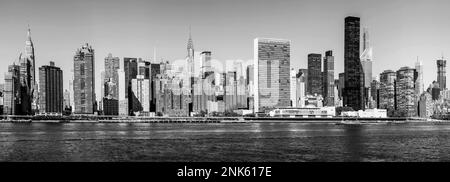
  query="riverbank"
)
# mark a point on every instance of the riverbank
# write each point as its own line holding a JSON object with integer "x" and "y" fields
{"x": 112, "y": 119}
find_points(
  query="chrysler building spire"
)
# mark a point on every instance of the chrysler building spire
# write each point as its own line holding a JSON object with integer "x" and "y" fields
{"x": 190, "y": 44}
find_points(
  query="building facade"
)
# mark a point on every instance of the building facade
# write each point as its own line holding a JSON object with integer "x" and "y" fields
{"x": 441, "y": 73}
{"x": 11, "y": 91}
{"x": 272, "y": 65}
{"x": 405, "y": 92}
{"x": 328, "y": 79}
{"x": 315, "y": 74}
{"x": 51, "y": 96}
{"x": 387, "y": 92}
{"x": 84, "y": 82}
{"x": 354, "y": 75}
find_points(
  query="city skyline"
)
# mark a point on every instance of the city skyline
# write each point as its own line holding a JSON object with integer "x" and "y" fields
{"x": 225, "y": 42}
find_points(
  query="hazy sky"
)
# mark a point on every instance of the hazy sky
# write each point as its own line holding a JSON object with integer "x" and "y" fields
{"x": 400, "y": 30}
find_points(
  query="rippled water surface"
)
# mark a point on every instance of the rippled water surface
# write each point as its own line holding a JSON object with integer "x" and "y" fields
{"x": 254, "y": 142}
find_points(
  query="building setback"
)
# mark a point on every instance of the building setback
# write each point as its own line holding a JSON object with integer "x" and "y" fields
{"x": 272, "y": 65}
{"x": 84, "y": 82}
{"x": 315, "y": 74}
{"x": 354, "y": 74}
{"x": 51, "y": 96}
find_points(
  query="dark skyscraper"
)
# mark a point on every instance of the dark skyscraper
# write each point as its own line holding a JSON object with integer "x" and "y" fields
{"x": 354, "y": 74}
{"x": 441, "y": 73}
{"x": 51, "y": 97}
{"x": 84, "y": 82}
{"x": 328, "y": 79}
{"x": 131, "y": 71}
{"x": 130, "y": 68}
{"x": 314, "y": 74}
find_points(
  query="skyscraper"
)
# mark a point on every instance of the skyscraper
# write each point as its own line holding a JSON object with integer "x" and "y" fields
{"x": 130, "y": 66}
{"x": 441, "y": 73}
{"x": 304, "y": 74}
{"x": 51, "y": 98}
{"x": 366, "y": 59}
{"x": 315, "y": 74}
{"x": 28, "y": 78}
{"x": 110, "y": 86}
{"x": 328, "y": 79}
{"x": 405, "y": 97}
{"x": 419, "y": 81}
{"x": 206, "y": 62}
{"x": 341, "y": 85}
{"x": 293, "y": 82}
{"x": 272, "y": 65}
{"x": 354, "y": 74}
{"x": 84, "y": 82}
{"x": 141, "y": 89}
{"x": 387, "y": 91}
{"x": 11, "y": 92}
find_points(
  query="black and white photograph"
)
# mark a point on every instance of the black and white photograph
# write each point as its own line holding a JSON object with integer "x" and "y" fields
{"x": 255, "y": 82}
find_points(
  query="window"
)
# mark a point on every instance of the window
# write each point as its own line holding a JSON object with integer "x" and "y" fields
{"x": 82, "y": 84}
{"x": 82, "y": 69}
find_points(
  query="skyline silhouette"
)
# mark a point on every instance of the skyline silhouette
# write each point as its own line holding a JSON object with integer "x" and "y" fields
{"x": 400, "y": 33}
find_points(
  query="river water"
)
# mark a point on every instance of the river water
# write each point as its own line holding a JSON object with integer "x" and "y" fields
{"x": 227, "y": 142}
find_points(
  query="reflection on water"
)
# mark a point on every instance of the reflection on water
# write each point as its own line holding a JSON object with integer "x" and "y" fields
{"x": 223, "y": 142}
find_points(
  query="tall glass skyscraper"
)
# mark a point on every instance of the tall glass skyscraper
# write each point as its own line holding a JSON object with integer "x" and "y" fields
{"x": 315, "y": 74}
{"x": 272, "y": 70}
{"x": 354, "y": 74}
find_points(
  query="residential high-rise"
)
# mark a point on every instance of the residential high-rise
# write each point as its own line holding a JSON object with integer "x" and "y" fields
{"x": 84, "y": 82}
{"x": 328, "y": 79}
{"x": 315, "y": 74}
{"x": 354, "y": 74}
{"x": 141, "y": 89}
{"x": 304, "y": 74}
{"x": 441, "y": 73}
{"x": 112, "y": 64}
{"x": 51, "y": 98}
{"x": 375, "y": 94}
{"x": 272, "y": 65}
{"x": 405, "y": 97}
{"x": 122, "y": 97}
{"x": 11, "y": 92}
{"x": 387, "y": 91}
{"x": 110, "y": 86}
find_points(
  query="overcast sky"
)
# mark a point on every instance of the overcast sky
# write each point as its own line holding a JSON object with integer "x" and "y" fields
{"x": 400, "y": 30}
